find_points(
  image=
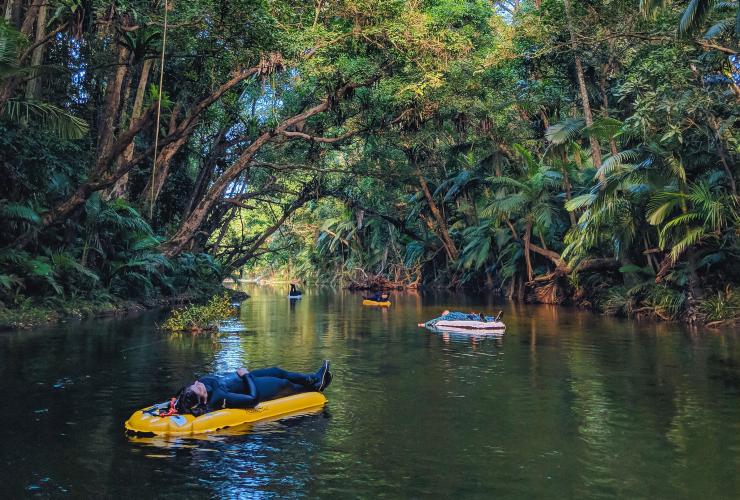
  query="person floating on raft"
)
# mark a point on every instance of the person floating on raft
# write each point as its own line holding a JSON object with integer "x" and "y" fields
{"x": 379, "y": 297}
{"x": 459, "y": 321}
{"x": 294, "y": 292}
{"x": 245, "y": 389}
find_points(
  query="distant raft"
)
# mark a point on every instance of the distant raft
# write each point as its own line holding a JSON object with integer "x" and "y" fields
{"x": 147, "y": 421}
{"x": 458, "y": 322}
{"x": 368, "y": 302}
{"x": 296, "y": 296}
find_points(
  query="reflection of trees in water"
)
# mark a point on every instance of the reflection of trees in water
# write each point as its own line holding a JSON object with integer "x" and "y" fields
{"x": 634, "y": 396}
{"x": 570, "y": 405}
{"x": 596, "y": 416}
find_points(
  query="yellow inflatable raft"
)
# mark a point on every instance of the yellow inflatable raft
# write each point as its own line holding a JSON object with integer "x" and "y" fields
{"x": 367, "y": 302}
{"x": 148, "y": 421}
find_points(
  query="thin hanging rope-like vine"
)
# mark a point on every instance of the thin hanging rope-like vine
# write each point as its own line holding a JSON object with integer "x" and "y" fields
{"x": 159, "y": 110}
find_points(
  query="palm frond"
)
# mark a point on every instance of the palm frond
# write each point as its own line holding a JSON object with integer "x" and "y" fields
{"x": 581, "y": 201}
{"x": 661, "y": 205}
{"x": 675, "y": 167}
{"x": 680, "y": 220}
{"x": 51, "y": 118}
{"x": 605, "y": 128}
{"x": 694, "y": 15}
{"x": 723, "y": 27}
{"x": 11, "y": 42}
{"x": 614, "y": 162}
{"x": 507, "y": 182}
{"x": 691, "y": 237}
{"x": 565, "y": 131}
{"x": 510, "y": 204}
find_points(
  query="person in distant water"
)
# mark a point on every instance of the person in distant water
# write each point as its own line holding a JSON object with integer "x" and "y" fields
{"x": 294, "y": 290}
{"x": 245, "y": 389}
{"x": 379, "y": 297}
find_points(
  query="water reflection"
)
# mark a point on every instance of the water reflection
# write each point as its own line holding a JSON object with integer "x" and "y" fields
{"x": 565, "y": 405}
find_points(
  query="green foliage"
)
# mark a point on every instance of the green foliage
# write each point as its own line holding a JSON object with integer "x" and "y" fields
{"x": 47, "y": 116}
{"x": 646, "y": 299}
{"x": 723, "y": 307}
{"x": 465, "y": 159}
{"x": 200, "y": 317}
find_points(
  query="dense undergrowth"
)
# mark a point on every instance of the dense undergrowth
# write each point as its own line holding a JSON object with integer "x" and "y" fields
{"x": 107, "y": 262}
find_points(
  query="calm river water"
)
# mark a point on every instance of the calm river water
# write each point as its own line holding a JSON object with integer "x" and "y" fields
{"x": 566, "y": 405}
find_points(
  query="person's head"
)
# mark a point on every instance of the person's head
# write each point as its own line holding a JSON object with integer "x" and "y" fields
{"x": 192, "y": 399}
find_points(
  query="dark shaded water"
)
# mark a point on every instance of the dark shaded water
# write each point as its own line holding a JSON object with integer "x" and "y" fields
{"x": 566, "y": 404}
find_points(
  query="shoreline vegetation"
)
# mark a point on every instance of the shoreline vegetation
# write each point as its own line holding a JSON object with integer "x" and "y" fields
{"x": 29, "y": 316}
{"x": 197, "y": 314}
{"x": 549, "y": 151}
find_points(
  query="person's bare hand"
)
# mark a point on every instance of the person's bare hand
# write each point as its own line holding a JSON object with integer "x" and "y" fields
{"x": 241, "y": 371}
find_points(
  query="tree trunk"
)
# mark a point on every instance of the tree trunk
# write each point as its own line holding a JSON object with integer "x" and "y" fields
{"x": 444, "y": 235}
{"x": 605, "y": 107}
{"x": 8, "y": 88}
{"x": 204, "y": 175}
{"x": 161, "y": 170}
{"x": 37, "y": 56}
{"x": 206, "y": 171}
{"x": 520, "y": 288}
{"x": 120, "y": 188}
{"x": 183, "y": 130}
{"x": 112, "y": 103}
{"x": 568, "y": 187}
{"x": 588, "y": 116}
{"x": 30, "y": 18}
{"x": 528, "y": 258}
{"x": 9, "y": 11}
{"x": 104, "y": 177}
{"x": 248, "y": 253}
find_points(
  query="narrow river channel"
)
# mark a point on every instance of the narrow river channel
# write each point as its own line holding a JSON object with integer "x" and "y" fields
{"x": 566, "y": 404}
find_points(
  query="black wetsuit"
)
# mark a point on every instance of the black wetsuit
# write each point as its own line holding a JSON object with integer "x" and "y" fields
{"x": 232, "y": 391}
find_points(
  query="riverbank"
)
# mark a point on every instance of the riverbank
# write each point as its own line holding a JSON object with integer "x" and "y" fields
{"x": 30, "y": 315}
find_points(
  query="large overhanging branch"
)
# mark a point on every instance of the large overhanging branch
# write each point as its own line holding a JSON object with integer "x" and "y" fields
{"x": 315, "y": 138}
{"x": 105, "y": 177}
{"x": 192, "y": 224}
{"x": 308, "y": 192}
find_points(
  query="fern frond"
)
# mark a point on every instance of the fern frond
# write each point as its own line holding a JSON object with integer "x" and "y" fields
{"x": 19, "y": 212}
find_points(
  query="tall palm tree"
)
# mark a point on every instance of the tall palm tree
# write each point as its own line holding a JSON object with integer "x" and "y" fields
{"x": 528, "y": 198}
